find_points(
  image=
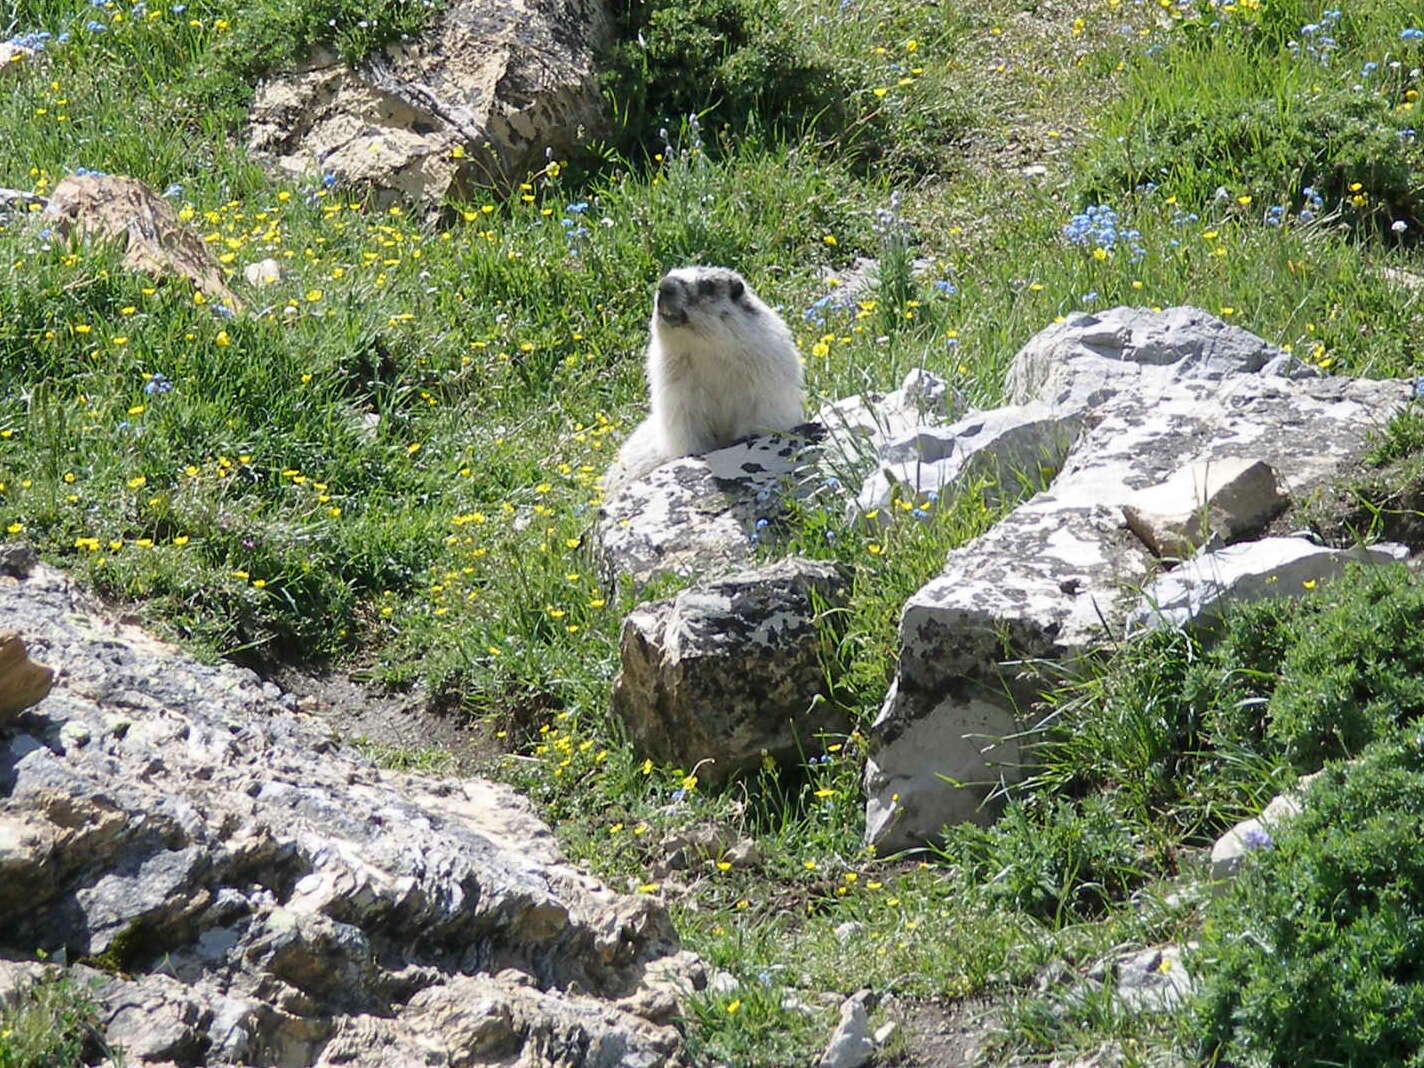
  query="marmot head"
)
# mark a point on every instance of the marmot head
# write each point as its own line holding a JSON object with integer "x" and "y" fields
{"x": 703, "y": 298}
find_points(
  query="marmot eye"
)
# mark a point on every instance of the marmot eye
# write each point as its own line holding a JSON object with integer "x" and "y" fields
{"x": 735, "y": 289}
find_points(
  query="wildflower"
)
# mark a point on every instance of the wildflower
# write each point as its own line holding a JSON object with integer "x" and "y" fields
{"x": 1257, "y": 838}
{"x": 157, "y": 383}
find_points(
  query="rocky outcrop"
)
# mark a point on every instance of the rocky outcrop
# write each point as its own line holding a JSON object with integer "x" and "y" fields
{"x": 1149, "y": 393}
{"x": 477, "y": 100}
{"x": 731, "y": 671}
{"x": 254, "y": 894}
{"x": 108, "y": 207}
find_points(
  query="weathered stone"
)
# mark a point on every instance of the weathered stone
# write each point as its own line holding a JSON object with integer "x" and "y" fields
{"x": 1010, "y": 446}
{"x": 1154, "y": 980}
{"x": 19, "y": 200}
{"x": 1089, "y": 358}
{"x": 702, "y": 515}
{"x": 263, "y": 273}
{"x": 938, "y": 769}
{"x": 476, "y": 101}
{"x": 22, "y": 681}
{"x": 1147, "y": 393}
{"x": 1198, "y": 590}
{"x": 14, "y": 55}
{"x": 268, "y": 898}
{"x": 113, "y": 208}
{"x": 17, "y": 558}
{"x": 862, "y": 423}
{"x": 1220, "y": 500}
{"x": 731, "y": 669}
{"x": 850, "y": 1045}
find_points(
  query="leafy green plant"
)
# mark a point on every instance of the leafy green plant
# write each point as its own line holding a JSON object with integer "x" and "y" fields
{"x": 1057, "y": 860}
{"x": 737, "y": 63}
{"x": 49, "y": 1024}
{"x": 1313, "y": 955}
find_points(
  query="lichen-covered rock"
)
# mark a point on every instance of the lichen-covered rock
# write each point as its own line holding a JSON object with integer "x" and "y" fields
{"x": 108, "y": 207}
{"x": 261, "y": 896}
{"x": 731, "y": 670}
{"x": 1150, "y": 392}
{"x": 703, "y": 515}
{"x": 477, "y": 100}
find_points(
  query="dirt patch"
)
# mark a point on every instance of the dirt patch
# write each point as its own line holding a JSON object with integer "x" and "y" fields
{"x": 396, "y": 727}
{"x": 945, "y": 1034}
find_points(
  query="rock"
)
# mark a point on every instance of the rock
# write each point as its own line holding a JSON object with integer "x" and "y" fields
{"x": 1248, "y": 836}
{"x": 260, "y": 896}
{"x": 18, "y": 200}
{"x": 1005, "y": 444}
{"x": 1196, "y": 592}
{"x": 1222, "y": 500}
{"x": 744, "y": 853}
{"x": 1154, "y": 980}
{"x": 850, "y": 1045}
{"x": 17, "y": 558}
{"x": 885, "y": 1032}
{"x": 701, "y": 515}
{"x": 731, "y": 670}
{"x": 477, "y": 100}
{"x": 1145, "y": 395}
{"x": 1089, "y": 358}
{"x": 844, "y": 932}
{"x": 22, "y": 681}
{"x": 14, "y": 55}
{"x": 688, "y": 846}
{"x": 263, "y": 273}
{"x": 113, "y": 208}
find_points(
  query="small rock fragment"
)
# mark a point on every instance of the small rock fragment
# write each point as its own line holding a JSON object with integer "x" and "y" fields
{"x": 850, "y": 1045}
{"x": 263, "y": 273}
{"x": 22, "y": 681}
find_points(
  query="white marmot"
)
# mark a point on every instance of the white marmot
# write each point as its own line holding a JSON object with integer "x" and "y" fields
{"x": 721, "y": 366}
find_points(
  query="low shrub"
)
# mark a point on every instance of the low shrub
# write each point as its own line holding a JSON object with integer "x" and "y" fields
{"x": 1315, "y": 954}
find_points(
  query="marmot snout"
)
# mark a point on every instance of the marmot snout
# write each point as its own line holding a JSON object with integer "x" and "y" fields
{"x": 721, "y": 366}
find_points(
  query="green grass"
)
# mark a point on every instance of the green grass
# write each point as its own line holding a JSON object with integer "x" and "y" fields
{"x": 395, "y": 454}
{"x": 50, "y": 1024}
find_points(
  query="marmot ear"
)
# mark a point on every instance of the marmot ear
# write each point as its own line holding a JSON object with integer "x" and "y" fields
{"x": 735, "y": 288}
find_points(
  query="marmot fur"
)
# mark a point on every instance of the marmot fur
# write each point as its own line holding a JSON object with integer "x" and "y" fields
{"x": 721, "y": 366}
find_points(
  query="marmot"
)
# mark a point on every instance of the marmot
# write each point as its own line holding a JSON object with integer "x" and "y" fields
{"x": 721, "y": 366}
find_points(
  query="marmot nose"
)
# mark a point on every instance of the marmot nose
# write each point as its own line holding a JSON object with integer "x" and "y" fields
{"x": 667, "y": 288}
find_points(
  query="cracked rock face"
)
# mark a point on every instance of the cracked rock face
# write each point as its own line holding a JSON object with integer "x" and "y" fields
{"x": 474, "y": 102}
{"x": 1145, "y": 395}
{"x": 731, "y": 670}
{"x": 259, "y": 896}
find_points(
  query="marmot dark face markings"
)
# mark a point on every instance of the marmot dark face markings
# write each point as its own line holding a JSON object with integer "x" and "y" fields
{"x": 721, "y": 366}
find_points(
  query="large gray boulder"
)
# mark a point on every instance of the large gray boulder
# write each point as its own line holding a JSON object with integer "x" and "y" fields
{"x": 732, "y": 670}
{"x": 257, "y": 895}
{"x": 1150, "y": 392}
{"x": 477, "y": 100}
